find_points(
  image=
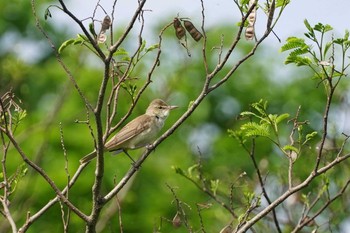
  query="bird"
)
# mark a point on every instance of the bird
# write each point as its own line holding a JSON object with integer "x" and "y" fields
{"x": 139, "y": 132}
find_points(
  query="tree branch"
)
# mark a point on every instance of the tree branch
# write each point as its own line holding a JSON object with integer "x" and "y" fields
{"x": 291, "y": 191}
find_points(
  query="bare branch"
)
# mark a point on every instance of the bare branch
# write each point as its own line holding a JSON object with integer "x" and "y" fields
{"x": 262, "y": 185}
{"x": 65, "y": 68}
{"x": 291, "y": 191}
{"x": 302, "y": 224}
{"x": 87, "y": 34}
{"x": 115, "y": 46}
{"x": 46, "y": 177}
{"x": 32, "y": 218}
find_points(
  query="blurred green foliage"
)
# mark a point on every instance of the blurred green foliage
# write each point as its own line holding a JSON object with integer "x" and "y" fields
{"x": 148, "y": 204}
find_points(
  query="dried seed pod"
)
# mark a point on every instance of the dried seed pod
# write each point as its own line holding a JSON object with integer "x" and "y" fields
{"x": 179, "y": 29}
{"x": 250, "y": 32}
{"x": 177, "y": 220}
{"x": 106, "y": 23}
{"x": 101, "y": 38}
{"x": 196, "y": 35}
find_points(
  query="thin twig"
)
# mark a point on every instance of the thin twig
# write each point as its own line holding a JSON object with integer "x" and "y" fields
{"x": 32, "y": 218}
{"x": 289, "y": 192}
{"x": 262, "y": 185}
{"x": 58, "y": 57}
{"x": 46, "y": 177}
{"x": 321, "y": 209}
{"x": 87, "y": 34}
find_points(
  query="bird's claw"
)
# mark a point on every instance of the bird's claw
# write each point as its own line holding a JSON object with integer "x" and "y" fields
{"x": 135, "y": 166}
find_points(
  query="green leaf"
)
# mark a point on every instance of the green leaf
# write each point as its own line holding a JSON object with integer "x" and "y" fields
{"x": 290, "y": 148}
{"x": 298, "y": 60}
{"x": 246, "y": 23}
{"x": 126, "y": 58}
{"x": 299, "y": 51}
{"x": 293, "y": 43}
{"x": 121, "y": 52}
{"x": 339, "y": 41}
{"x": 305, "y": 199}
{"x": 347, "y": 45}
{"x": 143, "y": 45}
{"x": 322, "y": 28}
{"x": 21, "y": 171}
{"x": 308, "y": 26}
{"x": 310, "y": 36}
{"x": 318, "y": 27}
{"x": 237, "y": 134}
{"x": 92, "y": 30}
{"x": 79, "y": 40}
{"x": 261, "y": 107}
{"x": 327, "y": 28}
{"x": 280, "y": 3}
{"x": 310, "y": 136}
{"x": 244, "y": 2}
{"x": 271, "y": 118}
{"x": 249, "y": 196}
{"x": 82, "y": 38}
{"x": 325, "y": 186}
{"x": 178, "y": 170}
{"x": 254, "y": 129}
{"x": 191, "y": 169}
{"x": 65, "y": 45}
{"x": 152, "y": 47}
{"x": 248, "y": 113}
{"x": 214, "y": 185}
{"x": 326, "y": 48}
{"x": 18, "y": 115}
{"x": 281, "y": 117}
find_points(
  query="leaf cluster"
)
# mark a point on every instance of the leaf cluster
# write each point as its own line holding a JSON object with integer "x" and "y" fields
{"x": 321, "y": 58}
{"x": 267, "y": 125}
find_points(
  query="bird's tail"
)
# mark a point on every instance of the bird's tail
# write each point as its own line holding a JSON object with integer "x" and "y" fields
{"x": 87, "y": 158}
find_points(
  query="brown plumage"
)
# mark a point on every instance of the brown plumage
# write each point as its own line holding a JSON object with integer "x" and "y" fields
{"x": 139, "y": 132}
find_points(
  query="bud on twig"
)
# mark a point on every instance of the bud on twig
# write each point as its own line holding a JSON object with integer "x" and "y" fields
{"x": 177, "y": 220}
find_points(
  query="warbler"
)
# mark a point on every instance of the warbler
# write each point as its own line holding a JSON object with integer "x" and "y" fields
{"x": 139, "y": 132}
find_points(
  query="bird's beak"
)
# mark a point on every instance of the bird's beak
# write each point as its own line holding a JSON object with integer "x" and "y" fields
{"x": 172, "y": 107}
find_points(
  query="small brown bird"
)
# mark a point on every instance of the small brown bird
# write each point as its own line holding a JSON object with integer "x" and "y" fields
{"x": 139, "y": 132}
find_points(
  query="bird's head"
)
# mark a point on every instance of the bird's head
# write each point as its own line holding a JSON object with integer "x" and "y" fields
{"x": 159, "y": 108}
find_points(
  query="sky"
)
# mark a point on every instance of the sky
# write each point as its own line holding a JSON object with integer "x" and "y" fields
{"x": 333, "y": 12}
{"x": 217, "y": 12}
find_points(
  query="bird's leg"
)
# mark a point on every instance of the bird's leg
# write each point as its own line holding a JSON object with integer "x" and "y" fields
{"x": 149, "y": 146}
{"x": 133, "y": 161}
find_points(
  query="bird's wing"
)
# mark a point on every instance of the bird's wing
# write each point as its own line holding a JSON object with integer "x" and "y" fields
{"x": 129, "y": 131}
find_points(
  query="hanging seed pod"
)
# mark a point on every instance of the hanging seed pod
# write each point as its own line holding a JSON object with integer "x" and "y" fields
{"x": 106, "y": 23}
{"x": 177, "y": 220}
{"x": 101, "y": 38}
{"x": 196, "y": 35}
{"x": 179, "y": 29}
{"x": 250, "y": 32}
